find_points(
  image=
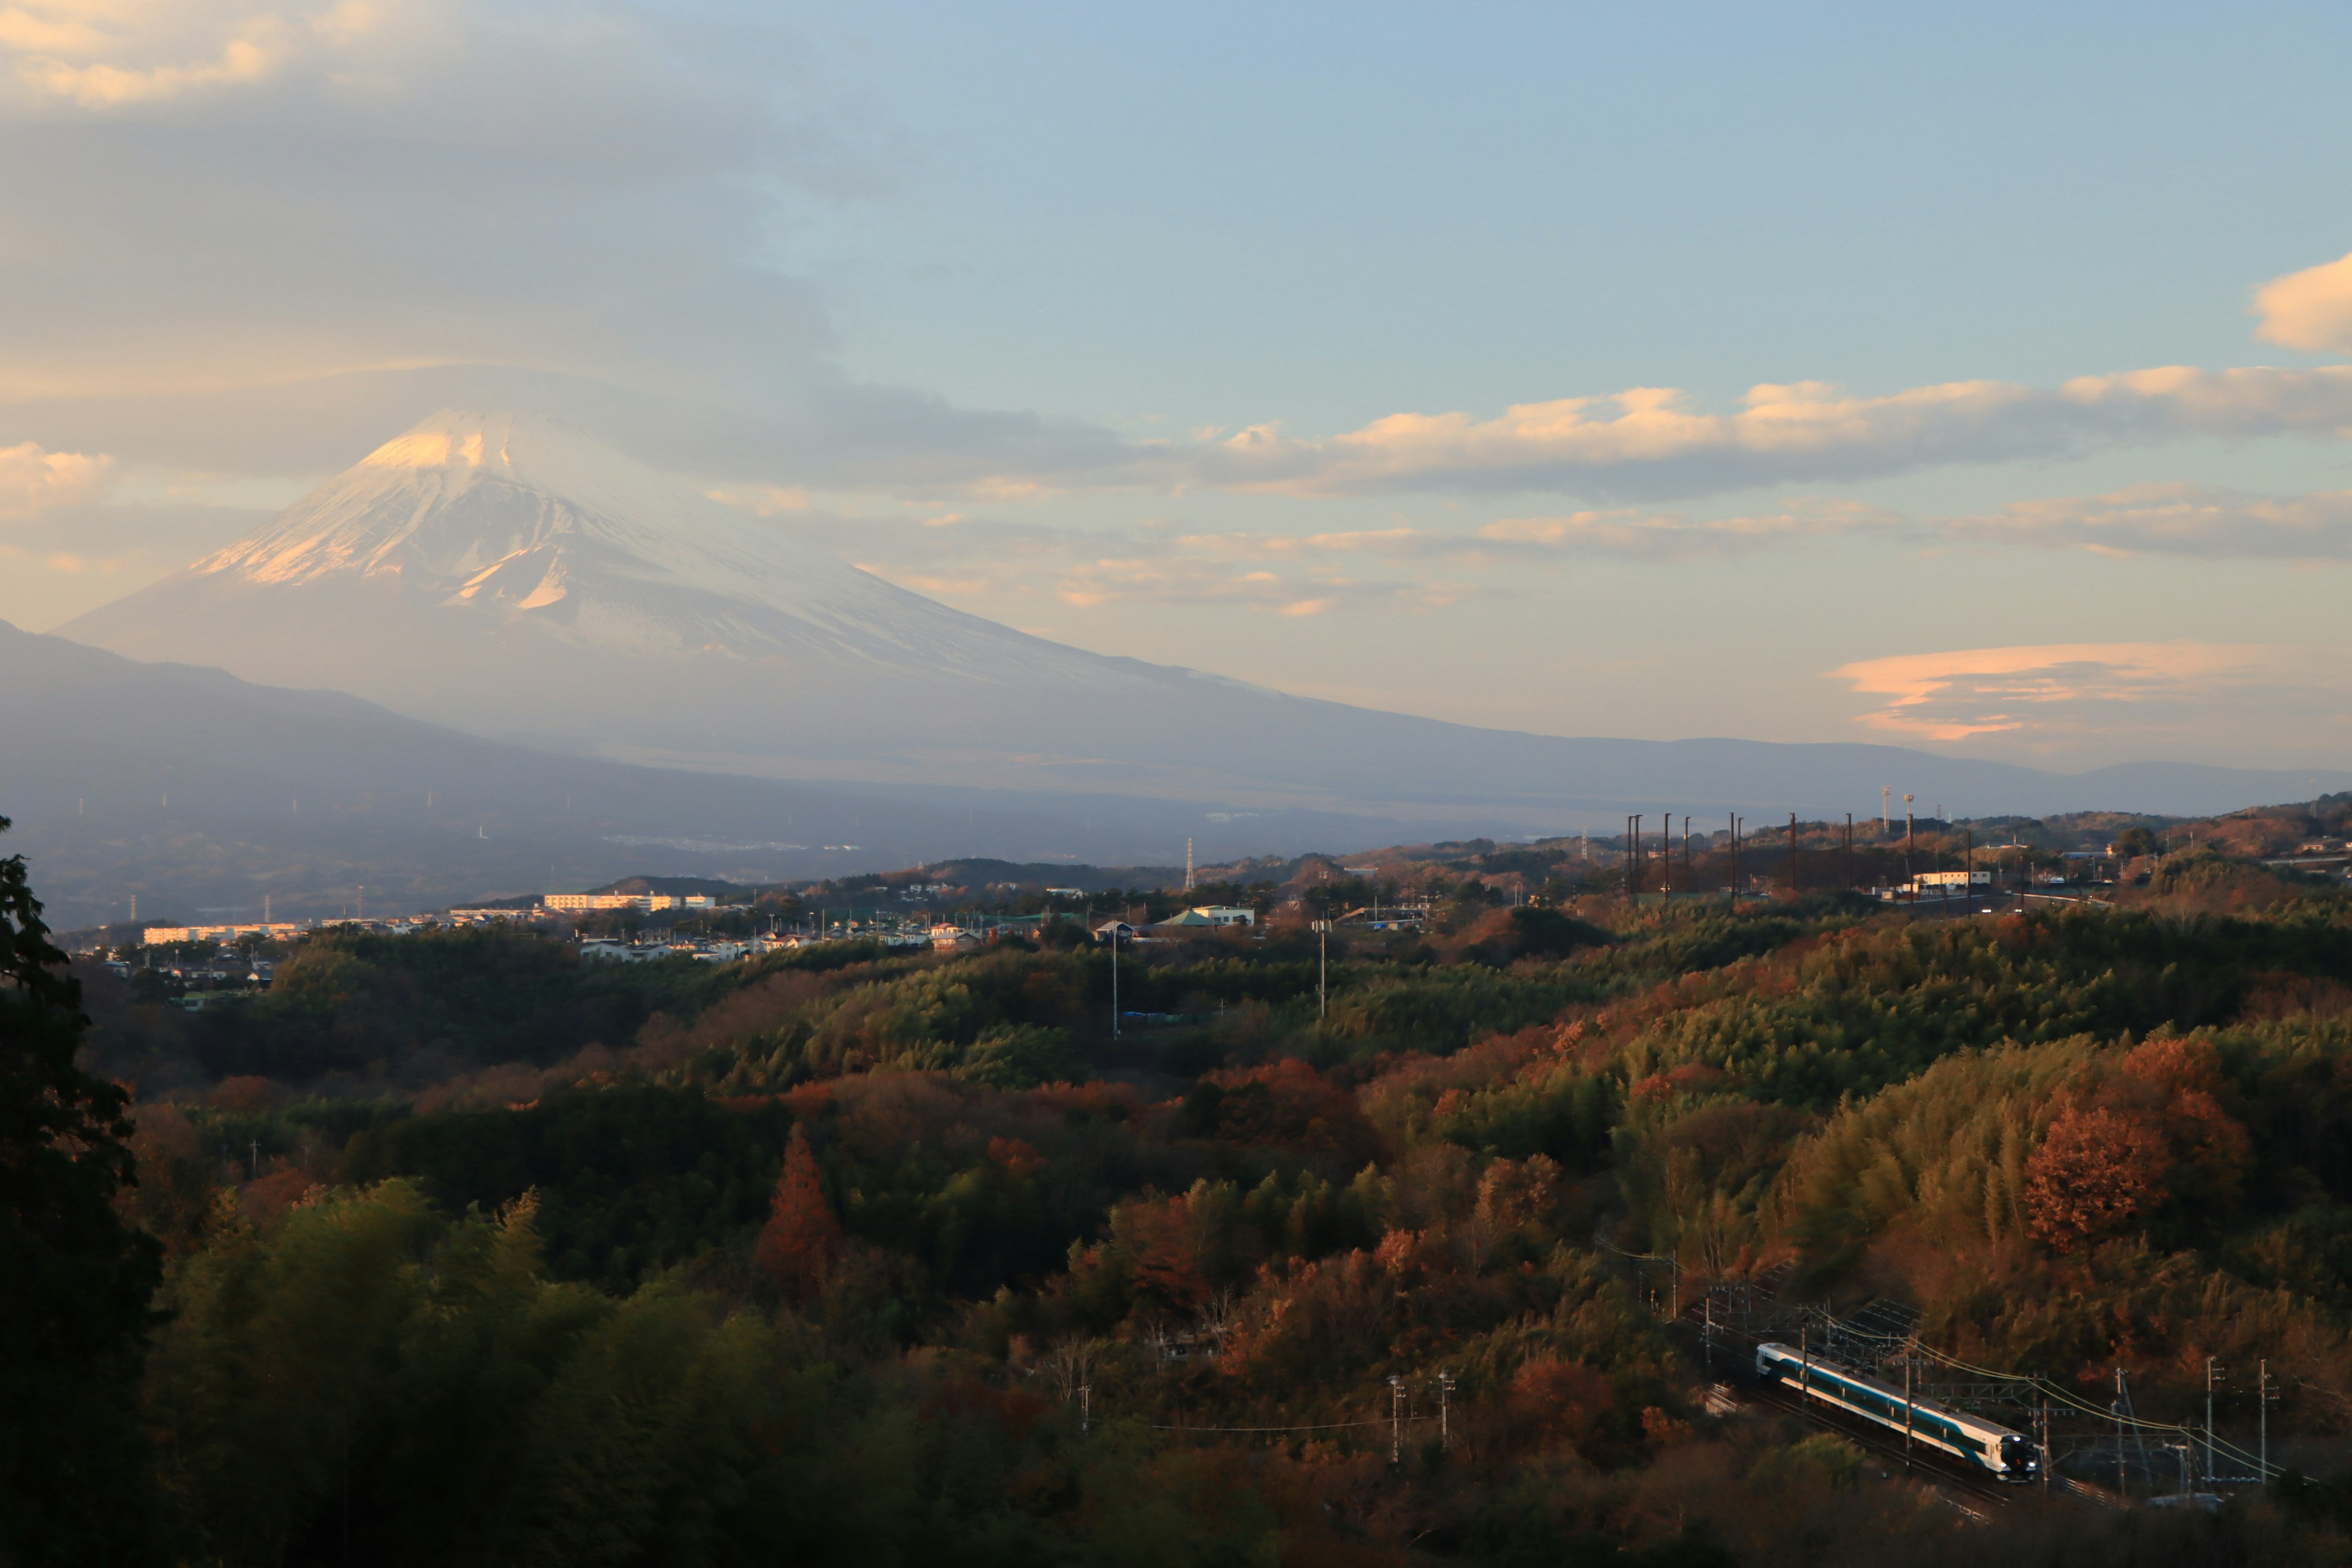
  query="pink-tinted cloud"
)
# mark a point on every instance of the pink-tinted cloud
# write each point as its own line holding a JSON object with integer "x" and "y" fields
{"x": 2310, "y": 310}
{"x": 2070, "y": 691}
{"x": 33, "y": 481}
{"x": 1651, "y": 441}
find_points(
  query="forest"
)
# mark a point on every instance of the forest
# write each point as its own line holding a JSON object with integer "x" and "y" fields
{"x": 452, "y": 1248}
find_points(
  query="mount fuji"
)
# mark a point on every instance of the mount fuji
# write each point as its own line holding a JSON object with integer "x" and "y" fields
{"x": 504, "y": 576}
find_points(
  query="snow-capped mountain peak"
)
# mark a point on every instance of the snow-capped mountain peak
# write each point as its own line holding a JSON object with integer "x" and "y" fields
{"x": 508, "y": 511}
{"x": 515, "y": 578}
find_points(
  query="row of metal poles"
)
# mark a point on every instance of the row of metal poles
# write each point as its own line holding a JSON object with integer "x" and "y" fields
{"x": 1637, "y": 853}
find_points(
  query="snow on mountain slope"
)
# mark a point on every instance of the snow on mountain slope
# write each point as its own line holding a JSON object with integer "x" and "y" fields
{"x": 504, "y": 513}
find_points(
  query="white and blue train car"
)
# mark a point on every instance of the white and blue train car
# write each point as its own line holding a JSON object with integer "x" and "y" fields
{"x": 2004, "y": 1455}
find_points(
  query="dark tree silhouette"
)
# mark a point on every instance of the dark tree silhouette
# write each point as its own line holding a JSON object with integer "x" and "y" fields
{"x": 75, "y": 1281}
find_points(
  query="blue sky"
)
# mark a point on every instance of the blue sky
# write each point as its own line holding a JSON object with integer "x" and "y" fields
{"x": 1107, "y": 322}
{"x": 1325, "y": 213}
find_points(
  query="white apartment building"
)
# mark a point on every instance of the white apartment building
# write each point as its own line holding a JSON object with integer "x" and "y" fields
{"x": 590, "y": 903}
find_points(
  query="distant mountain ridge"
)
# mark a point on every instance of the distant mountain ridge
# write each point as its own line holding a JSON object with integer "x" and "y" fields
{"x": 201, "y": 794}
{"x": 502, "y": 575}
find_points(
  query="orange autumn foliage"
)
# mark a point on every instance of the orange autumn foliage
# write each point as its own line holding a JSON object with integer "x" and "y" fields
{"x": 1290, "y": 1105}
{"x": 1018, "y": 1156}
{"x": 1166, "y": 1247}
{"x": 2095, "y": 1169}
{"x": 244, "y": 1095}
{"x": 800, "y": 1238}
{"x": 2153, "y": 1131}
{"x": 268, "y": 1199}
{"x": 1555, "y": 1402}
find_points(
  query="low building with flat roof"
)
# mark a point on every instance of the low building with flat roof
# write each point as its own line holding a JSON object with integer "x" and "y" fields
{"x": 593, "y": 903}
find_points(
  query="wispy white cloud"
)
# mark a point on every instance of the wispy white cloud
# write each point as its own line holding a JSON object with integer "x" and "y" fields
{"x": 967, "y": 558}
{"x": 1650, "y": 441}
{"x": 2173, "y": 520}
{"x": 958, "y": 555}
{"x": 1646, "y": 535}
{"x": 107, "y": 55}
{"x": 2166, "y": 518}
{"x": 379, "y": 185}
{"x": 2309, "y": 309}
{"x": 33, "y": 482}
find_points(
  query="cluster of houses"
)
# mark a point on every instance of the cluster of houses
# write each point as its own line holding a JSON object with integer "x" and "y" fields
{"x": 232, "y": 972}
{"x": 227, "y": 976}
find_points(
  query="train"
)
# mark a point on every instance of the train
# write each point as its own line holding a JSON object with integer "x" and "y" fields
{"x": 2003, "y": 1455}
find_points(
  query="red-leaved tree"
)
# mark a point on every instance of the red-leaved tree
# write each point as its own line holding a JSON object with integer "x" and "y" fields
{"x": 800, "y": 1237}
{"x": 2095, "y": 1169}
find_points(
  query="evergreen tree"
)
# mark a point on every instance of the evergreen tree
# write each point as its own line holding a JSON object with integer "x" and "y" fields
{"x": 75, "y": 1281}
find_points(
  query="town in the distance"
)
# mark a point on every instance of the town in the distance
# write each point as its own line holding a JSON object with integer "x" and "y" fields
{"x": 1930, "y": 867}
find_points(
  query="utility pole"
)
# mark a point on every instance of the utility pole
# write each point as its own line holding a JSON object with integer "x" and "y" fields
{"x": 1793, "y": 857}
{"x": 2264, "y": 1388}
{"x": 2119, "y": 1432}
{"x": 1907, "y": 1408}
{"x": 2212, "y": 1366}
{"x": 1114, "y": 924}
{"x": 1396, "y": 1421}
{"x": 1085, "y": 1408}
{"x": 1885, "y": 811}
{"x": 1968, "y": 864}
{"x": 1322, "y": 969}
{"x": 1444, "y": 1400}
{"x": 1849, "y": 849}
{"x": 1910, "y": 838}
{"x": 1634, "y": 873}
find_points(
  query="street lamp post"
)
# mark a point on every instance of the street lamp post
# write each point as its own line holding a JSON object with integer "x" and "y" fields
{"x": 1322, "y": 969}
